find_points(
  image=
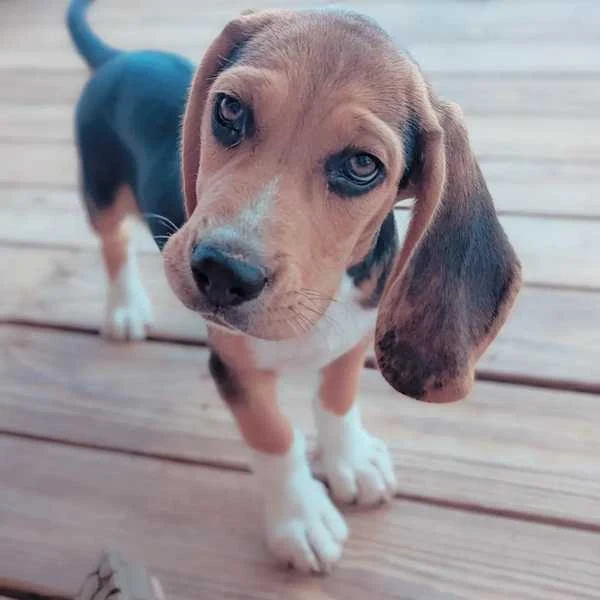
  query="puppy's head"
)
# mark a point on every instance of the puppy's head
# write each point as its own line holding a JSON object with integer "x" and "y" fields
{"x": 302, "y": 131}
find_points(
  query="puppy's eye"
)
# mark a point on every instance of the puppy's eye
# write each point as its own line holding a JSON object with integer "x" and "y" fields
{"x": 232, "y": 121}
{"x": 353, "y": 173}
{"x": 362, "y": 168}
{"x": 230, "y": 109}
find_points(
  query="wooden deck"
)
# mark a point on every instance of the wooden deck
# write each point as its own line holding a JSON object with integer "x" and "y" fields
{"x": 129, "y": 447}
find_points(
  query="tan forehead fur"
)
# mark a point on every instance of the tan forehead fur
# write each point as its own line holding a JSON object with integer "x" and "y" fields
{"x": 323, "y": 52}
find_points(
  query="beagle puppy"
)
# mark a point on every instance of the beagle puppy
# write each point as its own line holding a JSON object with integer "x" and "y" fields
{"x": 302, "y": 130}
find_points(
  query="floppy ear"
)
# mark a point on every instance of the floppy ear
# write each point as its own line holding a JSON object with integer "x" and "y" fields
{"x": 220, "y": 54}
{"x": 456, "y": 276}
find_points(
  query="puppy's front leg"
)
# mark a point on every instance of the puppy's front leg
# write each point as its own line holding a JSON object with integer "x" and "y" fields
{"x": 303, "y": 527}
{"x": 357, "y": 465}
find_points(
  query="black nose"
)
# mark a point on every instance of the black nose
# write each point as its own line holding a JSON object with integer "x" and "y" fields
{"x": 224, "y": 280}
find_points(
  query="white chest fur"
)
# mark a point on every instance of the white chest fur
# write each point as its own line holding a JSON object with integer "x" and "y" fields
{"x": 342, "y": 326}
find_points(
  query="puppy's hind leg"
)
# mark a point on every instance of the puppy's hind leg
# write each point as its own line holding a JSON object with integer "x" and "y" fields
{"x": 128, "y": 309}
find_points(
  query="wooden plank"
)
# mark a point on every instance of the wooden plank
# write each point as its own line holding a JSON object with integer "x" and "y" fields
{"x": 562, "y": 189}
{"x": 523, "y": 186}
{"x": 529, "y": 188}
{"x": 549, "y": 337}
{"x": 481, "y": 94}
{"x": 511, "y": 95}
{"x": 479, "y": 52}
{"x": 186, "y": 523}
{"x": 577, "y": 57}
{"x": 40, "y": 85}
{"x": 507, "y": 449}
{"x": 570, "y": 190}
{"x": 552, "y": 138}
{"x": 35, "y": 163}
{"x": 556, "y": 251}
{"x": 25, "y": 216}
{"x": 66, "y": 288}
{"x": 460, "y": 20}
{"x": 553, "y": 251}
{"x": 115, "y": 11}
{"x": 568, "y": 138}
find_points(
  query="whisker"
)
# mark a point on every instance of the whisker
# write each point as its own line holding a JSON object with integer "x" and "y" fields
{"x": 293, "y": 323}
{"x": 314, "y": 300}
{"x": 318, "y": 294}
{"x": 163, "y": 219}
{"x": 308, "y": 323}
{"x": 313, "y": 310}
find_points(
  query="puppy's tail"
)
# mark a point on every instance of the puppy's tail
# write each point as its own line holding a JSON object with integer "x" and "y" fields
{"x": 94, "y": 51}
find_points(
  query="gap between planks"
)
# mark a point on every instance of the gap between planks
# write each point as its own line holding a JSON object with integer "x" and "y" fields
{"x": 547, "y": 337}
{"x": 221, "y": 465}
{"x": 506, "y": 450}
{"x": 13, "y": 593}
{"x": 185, "y": 524}
{"x": 508, "y": 378}
{"x": 553, "y": 251}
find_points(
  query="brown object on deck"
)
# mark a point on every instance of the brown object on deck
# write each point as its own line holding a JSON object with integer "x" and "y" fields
{"x": 118, "y": 579}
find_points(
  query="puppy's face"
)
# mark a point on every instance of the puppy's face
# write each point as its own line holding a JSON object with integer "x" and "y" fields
{"x": 302, "y": 137}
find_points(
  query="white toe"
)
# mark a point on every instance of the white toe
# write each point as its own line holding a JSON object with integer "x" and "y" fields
{"x": 371, "y": 485}
{"x": 309, "y": 531}
{"x": 356, "y": 465}
{"x": 325, "y": 547}
{"x": 336, "y": 524}
{"x": 304, "y": 528}
{"x": 342, "y": 482}
{"x": 291, "y": 547}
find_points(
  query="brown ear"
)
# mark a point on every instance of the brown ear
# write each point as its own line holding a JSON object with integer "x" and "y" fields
{"x": 218, "y": 56}
{"x": 456, "y": 277}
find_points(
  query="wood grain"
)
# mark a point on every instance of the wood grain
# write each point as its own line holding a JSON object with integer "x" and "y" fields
{"x": 507, "y": 449}
{"x": 38, "y": 163}
{"x": 553, "y": 251}
{"x": 528, "y": 188}
{"x": 564, "y": 189}
{"x": 408, "y": 19}
{"x": 198, "y": 531}
{"x": 443, "y": 47}
{"x": 501, "y": 58}
{"x": 548, "y": 337}
{"x": 479, "y": 94}
{"x": 67, "y": 288}
{"x": 492, "y": 136}
{"x": 104, "y": 445}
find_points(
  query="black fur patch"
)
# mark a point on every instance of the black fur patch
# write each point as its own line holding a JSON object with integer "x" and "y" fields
{"x": 410, "y": 138}
{"x": 233, "y": 57}
{"x": 127, "y": 122}
{"x": 378, "y": 262}
{"x": 471, "y": 253}
{"x": 226, "y": 381}
{"x": 410, "y": 369}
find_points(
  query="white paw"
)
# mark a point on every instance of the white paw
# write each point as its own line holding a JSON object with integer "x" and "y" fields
{"x": 307, "y": 532}
{"x": 128, "y": 322}
{"x": 357, "y": 466}
{"x": 303, "y": 528}
{"x": 362, "y": 473}
{"x": 128, "y": 310}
